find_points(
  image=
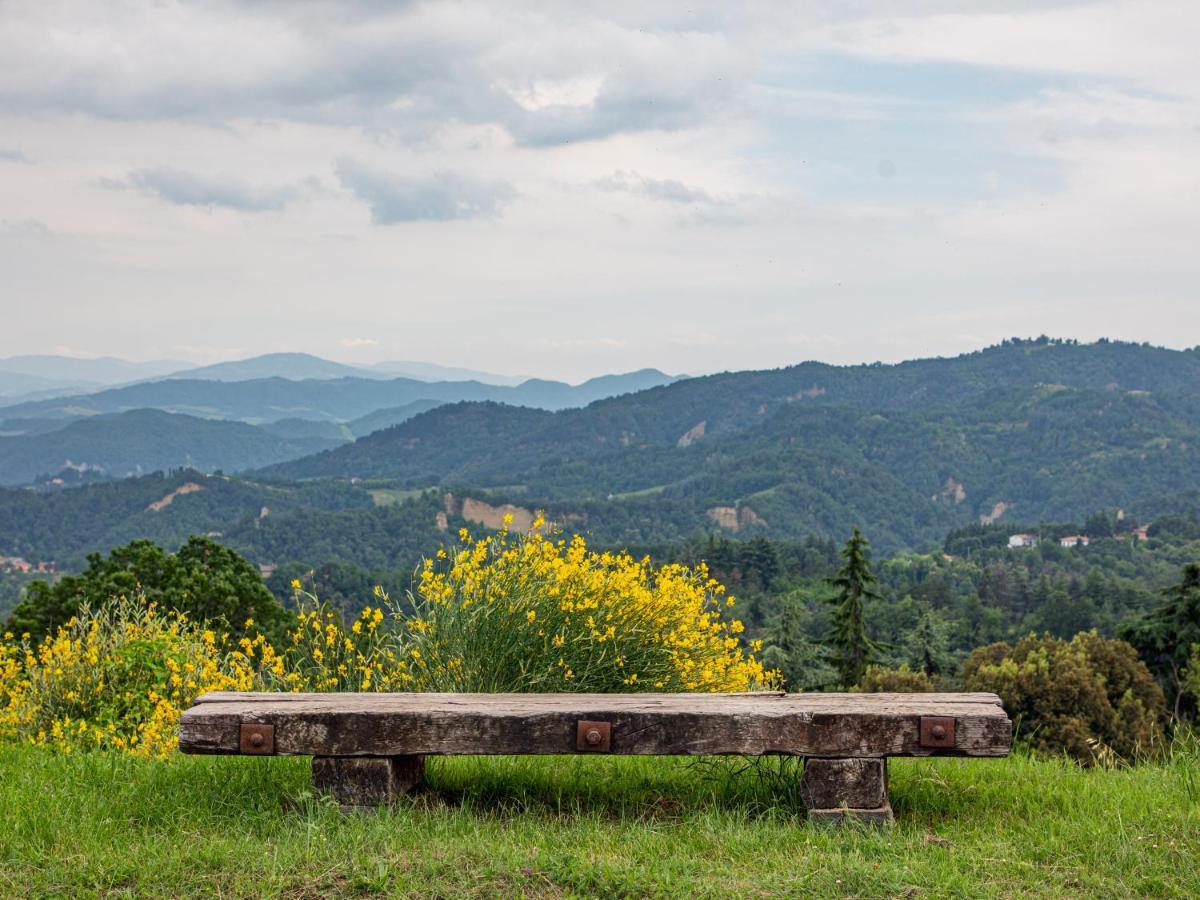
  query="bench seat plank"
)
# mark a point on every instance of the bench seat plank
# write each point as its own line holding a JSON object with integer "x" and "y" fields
{"x": 816, "y": 725}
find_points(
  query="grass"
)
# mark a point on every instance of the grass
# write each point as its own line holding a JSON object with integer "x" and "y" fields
{"x": 392, "y": 496}
{"x": 104, "y": 825}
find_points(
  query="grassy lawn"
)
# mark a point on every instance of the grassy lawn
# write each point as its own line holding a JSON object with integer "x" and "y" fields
{"x": 107, "y": 825}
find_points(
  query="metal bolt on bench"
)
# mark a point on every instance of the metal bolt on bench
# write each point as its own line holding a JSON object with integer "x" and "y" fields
{"x": 368, "y": 749}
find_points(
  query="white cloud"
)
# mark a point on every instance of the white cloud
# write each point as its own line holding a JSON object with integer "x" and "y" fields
{"x": 190, "y": 189}
{"x": 357, "y": 342}
{"x": 438, "y": 197}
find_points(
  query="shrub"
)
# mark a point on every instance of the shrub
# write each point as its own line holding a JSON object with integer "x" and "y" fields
{"x": 323, "y": 654}
{"x": 530, "y": 613}
{"x": 116, "y": 677}
{"x": 1087, "y": 697}
{"x": 205, "y": 580}
{"x": 882, "y": 680}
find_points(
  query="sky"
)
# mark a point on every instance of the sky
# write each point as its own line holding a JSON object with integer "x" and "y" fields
{"x": 567, "y": 189}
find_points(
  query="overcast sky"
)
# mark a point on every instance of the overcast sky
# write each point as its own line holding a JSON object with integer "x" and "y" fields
{"x": 539, "y": 189}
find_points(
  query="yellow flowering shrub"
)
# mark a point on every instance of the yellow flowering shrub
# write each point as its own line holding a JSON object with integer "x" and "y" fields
{"x": 323, "y": 654}
{"x": 504, "y": 613}
{"x": 532, "y": 613}
{"x": 115, "y": 677}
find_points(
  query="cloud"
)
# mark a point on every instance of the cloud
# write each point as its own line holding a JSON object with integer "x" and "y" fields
{"x": 11, "y": 155}
{"x": 668, "y": 189}
{"x": 190, "y": 189}
{"x": 439, "y": 197}
{"x": 358, "y": 342}
{"x": 548, "y": 76}
{"x": 23, "y": 228}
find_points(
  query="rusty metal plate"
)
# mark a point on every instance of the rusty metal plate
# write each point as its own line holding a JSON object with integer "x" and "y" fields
{"x": 594, "y": 737}
{"x": 937, "y": 732}
{"x": 257, "y": 740}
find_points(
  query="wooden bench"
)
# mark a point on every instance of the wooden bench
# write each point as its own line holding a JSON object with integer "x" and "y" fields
{"x": 369, "y": 748}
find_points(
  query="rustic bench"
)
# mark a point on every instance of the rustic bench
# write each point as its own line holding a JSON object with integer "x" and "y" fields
{"x": 369, "y": 748}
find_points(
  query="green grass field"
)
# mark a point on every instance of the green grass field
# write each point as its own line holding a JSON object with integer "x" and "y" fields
{"x": 104, "y": 825}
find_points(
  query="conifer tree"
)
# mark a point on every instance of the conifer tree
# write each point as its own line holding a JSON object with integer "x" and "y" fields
{"x": 852, "y": 648}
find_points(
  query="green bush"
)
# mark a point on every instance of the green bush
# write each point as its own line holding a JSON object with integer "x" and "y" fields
{"x": 882, "y": 680}
{"x": 1090, "y": 697}
{"x": 205, "y": 580}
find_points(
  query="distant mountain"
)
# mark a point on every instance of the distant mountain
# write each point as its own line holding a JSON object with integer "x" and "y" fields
{"x": 293, "y": 366}
{"x": 300, "y": 366}
{"x": 334, "y": 399}
{"x": 424, "y": 371}
{"x": 17, "y": 387}
{"x": 146, "y": 440}
{"x": 104, "y": 370}
{"x": 1044, "y": 429}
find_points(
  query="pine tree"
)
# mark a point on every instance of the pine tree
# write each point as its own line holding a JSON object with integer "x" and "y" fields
{"x": 852, "y": 648}
{"x": 1164, "y": 637}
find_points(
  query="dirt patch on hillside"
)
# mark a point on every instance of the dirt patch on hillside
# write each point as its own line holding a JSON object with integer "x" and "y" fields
{"x": 954, "y": 490}
{"x": 693, "y": 434}
{"x": 735, "y": 519}
{"x": 994, "y": 516}
{"x": 159, "y": 505}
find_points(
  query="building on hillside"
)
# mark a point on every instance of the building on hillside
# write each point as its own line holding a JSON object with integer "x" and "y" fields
{"x": 15, "y": 564}
{"x": 1073, "y": 540}
{"x": 1022, "y": 540}
{"x": 1141, "y": 533}
{"x": 266, "y": 570}
{"x": 46, "y": 566}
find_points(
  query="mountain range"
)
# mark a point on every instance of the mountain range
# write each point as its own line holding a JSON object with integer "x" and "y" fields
{"x": 37, "y": 377}
{"x": 109, "y": 431}
{"x": 1028, "y": 430}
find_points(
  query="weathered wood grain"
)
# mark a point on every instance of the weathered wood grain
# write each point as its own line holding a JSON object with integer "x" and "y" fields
{"x": 821, "y": 725}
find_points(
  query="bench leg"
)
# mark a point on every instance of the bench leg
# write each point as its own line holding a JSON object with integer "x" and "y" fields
{"x": 840, "y": 790}
{"x": 358, "y": 781}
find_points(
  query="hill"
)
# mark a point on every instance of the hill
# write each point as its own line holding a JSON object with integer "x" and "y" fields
{"x": 29, "y": 378}
{"x": 333, "y": 399}
{"x": 1040, "y": 429}
{"x": 147, "y": 440}
{"x": 65, "y": 525}
{"x": 294, "y": 366}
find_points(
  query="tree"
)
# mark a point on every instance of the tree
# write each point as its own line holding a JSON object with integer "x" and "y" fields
{"x": 205, "y": 580}
{"x": 1072, "y": 696}
{"x": 852, "y": 648}
{"x": 928, "y": 644}
{"x": 797, "y": 659}
{"x": 1164, "y": 637}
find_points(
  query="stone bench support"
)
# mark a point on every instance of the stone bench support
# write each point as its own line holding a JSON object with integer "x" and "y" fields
{"x": 840, "y": 790}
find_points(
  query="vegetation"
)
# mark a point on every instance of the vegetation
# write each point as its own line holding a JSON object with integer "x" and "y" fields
{"x": 115, "y": 677}
{"x": 1168, "y": 636}
{"x": 852, "y": 648}
{"x": 1052, "y": 430}
{"x": 1087, "y": 697}
{"x": 205, "y": 581}
{"x": 98, "y": 824}
{"x": 537, "y": 614}
{"x": 147, "y": 440}
{"x": 501, "y": 614}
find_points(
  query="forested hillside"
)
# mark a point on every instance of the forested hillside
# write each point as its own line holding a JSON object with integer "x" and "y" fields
{"x": 1039, "y": 430}
{"x": 147, "y": 440}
